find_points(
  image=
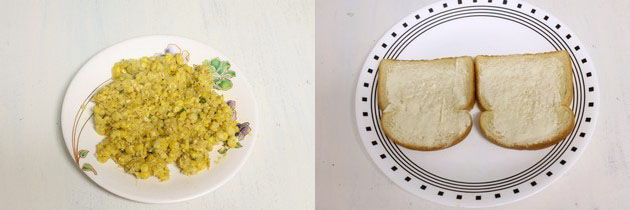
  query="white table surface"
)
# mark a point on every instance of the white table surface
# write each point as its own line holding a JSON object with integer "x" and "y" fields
{"x": 44, "y": 43}
{"x": 346, "y": 177}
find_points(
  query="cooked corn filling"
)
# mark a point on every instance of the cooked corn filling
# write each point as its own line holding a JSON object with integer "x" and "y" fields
{"x": 159, "y": 110}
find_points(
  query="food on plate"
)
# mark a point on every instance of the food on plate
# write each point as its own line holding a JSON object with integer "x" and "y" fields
{"x": 425, "y": 103}
{"x": 525, "y": 99}
{"x": 159, "y": 110}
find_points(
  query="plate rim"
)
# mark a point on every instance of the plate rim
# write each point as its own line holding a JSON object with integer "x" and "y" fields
{"x": 439, "y": 5}
{"x": 132, "y": 197}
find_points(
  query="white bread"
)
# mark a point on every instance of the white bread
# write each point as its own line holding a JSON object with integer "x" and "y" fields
{"x": 525, "y": 99}
{"x": 425, "y": 103}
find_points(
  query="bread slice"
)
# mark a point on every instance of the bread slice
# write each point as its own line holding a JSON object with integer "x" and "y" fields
{"x": 525, "y": 99}
{"x": 425, "y": 103}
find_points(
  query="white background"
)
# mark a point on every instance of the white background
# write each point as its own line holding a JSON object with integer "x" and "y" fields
{"x": 346, "y": 177}
{"x": 44, "y": 43}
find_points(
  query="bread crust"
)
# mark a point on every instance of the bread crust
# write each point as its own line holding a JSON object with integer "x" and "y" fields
{"x": 425, "y": 148}
{"x": 483, "y": 105}
{"x": 381, "y": 82}
{"x": 472, "y": 86}
{"x": 544, "y": 144}
{"x": 383, "y": 102}
{"x": 566, "y": 103}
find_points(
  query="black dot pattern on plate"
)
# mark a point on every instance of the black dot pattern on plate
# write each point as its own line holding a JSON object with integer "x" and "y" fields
{"x": 590, "y": 89}
{"x": 365, "y": 114}
{"x": 395, "y": 47}
{"x": 370, "y": 71}
{"x": 366, "y": 84}
{"x": 368, "y": 128}
{"x": 374, "y": 143}
{"x": 364, "y": 99}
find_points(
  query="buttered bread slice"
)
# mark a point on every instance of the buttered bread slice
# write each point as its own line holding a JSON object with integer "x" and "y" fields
{"x": 425, "y": 103}
{"x": 525, "y": 99}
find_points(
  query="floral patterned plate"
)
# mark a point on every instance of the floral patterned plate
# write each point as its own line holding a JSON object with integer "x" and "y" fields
{"x": 81, "y": 138}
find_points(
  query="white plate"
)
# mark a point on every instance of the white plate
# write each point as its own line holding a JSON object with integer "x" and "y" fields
{"x": 78, "y": 128}
{"x": 475, "y": 172}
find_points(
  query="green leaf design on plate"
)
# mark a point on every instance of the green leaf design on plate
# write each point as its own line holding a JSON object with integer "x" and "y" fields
{"x": 221, "y": 72}
{"x": 83, "y": 153}
{"x": 225, "y": 67}
{"x": 226, "y": 64}
{"x": 225, "y": 85}
{"x": 223, "y": 150}
{"x": 216, "y": 63}
{"x": 88, "y": 167}
{"x": 238, "y": 145}
{"x": 229, "y": 74}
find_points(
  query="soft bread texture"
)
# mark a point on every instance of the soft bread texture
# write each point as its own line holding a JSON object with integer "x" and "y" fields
{"x": 525, "y": 99}
{"x": 425, "y": 103}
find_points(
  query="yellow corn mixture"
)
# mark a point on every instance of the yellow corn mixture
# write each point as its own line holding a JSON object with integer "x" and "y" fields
{"x": 158, "y": 110}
